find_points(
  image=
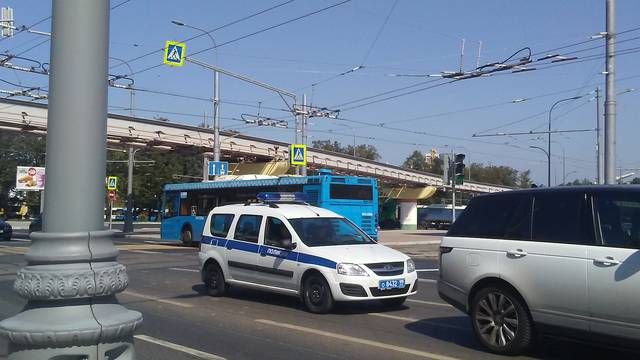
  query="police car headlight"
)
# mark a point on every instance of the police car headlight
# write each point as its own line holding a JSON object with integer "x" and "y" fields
{"x": 411, "y": 266}
{"x": 351, "y": 270}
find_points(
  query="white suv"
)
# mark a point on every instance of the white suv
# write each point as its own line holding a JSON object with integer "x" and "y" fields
{"x": 562, "y": 260}
{"x": 301, "y": 250}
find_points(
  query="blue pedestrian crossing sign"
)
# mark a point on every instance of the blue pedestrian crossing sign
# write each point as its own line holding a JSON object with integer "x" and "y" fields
{"x": 112, "y": 183}
{"x": 218, "y": 168}
{"x": 298, "y": 154}
{"x": 174, "y": 53}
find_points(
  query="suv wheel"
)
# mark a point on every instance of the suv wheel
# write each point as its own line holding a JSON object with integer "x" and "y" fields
{"x": 501, "y": 321}
{"x": 393, "y": 302}
{"x": 186, "y": 237}
{"x": 317, "y": 294}
{"x": 214, "y": 280}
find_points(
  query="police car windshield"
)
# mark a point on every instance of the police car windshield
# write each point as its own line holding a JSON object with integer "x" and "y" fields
{"x": 328, "y": 232}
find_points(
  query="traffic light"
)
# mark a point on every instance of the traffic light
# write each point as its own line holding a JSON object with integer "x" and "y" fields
{"x": 459, "y": 169}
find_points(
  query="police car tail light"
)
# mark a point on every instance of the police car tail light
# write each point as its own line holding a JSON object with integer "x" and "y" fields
{"x": 411, "y": 266}
{"x": 282, "y": 197}
{"x": 351, "y": 270}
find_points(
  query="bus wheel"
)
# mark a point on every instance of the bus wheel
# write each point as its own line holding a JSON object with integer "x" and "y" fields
{"x": 186, "y": 237}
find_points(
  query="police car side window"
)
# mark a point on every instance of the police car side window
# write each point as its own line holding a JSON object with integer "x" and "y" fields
{"x": 276, "y": 233}
{"x": 220, "y": 224}
{"x": 248, "y": 228}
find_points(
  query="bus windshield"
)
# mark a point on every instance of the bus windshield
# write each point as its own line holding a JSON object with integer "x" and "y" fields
{"x": 329, "y": 232}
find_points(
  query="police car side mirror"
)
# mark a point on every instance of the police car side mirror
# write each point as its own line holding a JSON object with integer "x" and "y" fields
{"x": 288, "y": 244}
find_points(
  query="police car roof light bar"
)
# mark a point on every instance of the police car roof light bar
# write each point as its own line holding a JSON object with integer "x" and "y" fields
{"x": 282, "y": 197}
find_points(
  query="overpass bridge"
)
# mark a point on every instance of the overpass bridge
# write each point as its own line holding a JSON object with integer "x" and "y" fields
{"x": 30, "y": 117}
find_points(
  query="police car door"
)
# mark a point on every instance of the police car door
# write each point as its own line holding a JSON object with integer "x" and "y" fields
{"x": 242, "y": 249}
{"x": 277, "y": 263}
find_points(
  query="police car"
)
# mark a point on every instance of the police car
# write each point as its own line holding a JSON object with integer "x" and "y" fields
{"x": 284, "y": 245}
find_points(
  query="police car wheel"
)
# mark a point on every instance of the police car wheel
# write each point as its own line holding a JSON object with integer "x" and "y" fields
{"x": 393, "y": 302}
{"x": 317, "y": 295}
{"x": 214, "y": 280}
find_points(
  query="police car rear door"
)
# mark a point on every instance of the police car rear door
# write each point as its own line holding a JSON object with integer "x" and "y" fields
{"x": 242, "y": 249}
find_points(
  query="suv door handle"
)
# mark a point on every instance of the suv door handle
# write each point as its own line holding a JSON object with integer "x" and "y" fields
{"x": 517, "y": 253}
{"x": 608, "y": 261}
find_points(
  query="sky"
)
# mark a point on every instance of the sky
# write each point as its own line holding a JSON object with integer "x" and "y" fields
{"x": 293, "y": 44}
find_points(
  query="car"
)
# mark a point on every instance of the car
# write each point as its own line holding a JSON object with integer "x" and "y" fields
{"x": 562, "y": 260}
{"x": 6, "y": 231}
{"x": 290, "y": 247}
{"x": 36, "y": 223}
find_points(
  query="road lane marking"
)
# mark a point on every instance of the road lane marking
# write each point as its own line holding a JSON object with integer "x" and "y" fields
{"x": 145, "y": 252}
{"x": 181, "y": 348}
{"x": 356, "y": 340}
{"x": 160, "y": 300}
{"x": 429, "y": 303}
{"x": 402, "y": 318}
{"x": 413, "y": 320}
{"x": 151, "y": 247}
{"x": 431, "y": 281}
{"x": 427, "y": 270}
{"x": 182, "y": 269}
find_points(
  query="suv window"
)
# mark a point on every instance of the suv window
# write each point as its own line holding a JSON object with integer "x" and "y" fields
{"x": 248, "y": 228}
{"x": 497, "y": 217}
{"x": 220, "y": 224}
{"x": 562, "y": 218}
{"x": 619, "y": 219}
{"x": 276, "y": 233}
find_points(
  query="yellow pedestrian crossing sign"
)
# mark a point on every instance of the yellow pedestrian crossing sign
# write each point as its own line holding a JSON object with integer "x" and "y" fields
{"x": 112, "y": 183}
{"x": 174, "y": 53}
{"x": 298, "y": 154}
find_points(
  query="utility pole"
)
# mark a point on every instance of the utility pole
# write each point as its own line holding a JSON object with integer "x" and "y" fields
{"x": 610, "y": 99}
{"x": 453, "y": 184}
{"x": 304, "y": 127}
{"x": 72, "y": 274}
{"x": 599, "y": 140}
{"x": 216, "y": 116}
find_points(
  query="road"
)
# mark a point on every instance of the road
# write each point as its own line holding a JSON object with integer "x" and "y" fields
{"x": 182, "y": 322}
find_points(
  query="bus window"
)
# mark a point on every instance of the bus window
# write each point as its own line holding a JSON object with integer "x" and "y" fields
{"x": 350, "y": 192}
{"x": 171, "y": 202}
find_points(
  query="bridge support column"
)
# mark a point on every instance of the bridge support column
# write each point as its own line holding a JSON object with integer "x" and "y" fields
{"x": 408, "y": 214}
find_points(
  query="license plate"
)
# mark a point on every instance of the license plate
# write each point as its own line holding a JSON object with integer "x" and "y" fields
{"x": 391, "y": 284}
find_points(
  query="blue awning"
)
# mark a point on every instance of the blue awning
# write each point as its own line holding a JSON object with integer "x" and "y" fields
{"x": 286, "y": 180}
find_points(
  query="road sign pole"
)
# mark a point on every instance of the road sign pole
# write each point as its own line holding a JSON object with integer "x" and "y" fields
{"x": 72, "y": 274}
{"x": 110, "y": 214}
{"x": 304, "y": 128}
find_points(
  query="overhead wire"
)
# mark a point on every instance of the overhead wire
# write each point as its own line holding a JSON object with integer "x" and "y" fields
{"x": 252, "y": 33}
{"x": 250, "y": 16}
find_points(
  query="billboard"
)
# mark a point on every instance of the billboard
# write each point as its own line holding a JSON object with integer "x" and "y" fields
{"x": 30, "y": 178}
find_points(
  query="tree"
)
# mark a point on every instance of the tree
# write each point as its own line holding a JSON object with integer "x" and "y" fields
{"x": 362, "y": 150}
{"x": 636, "y": 180}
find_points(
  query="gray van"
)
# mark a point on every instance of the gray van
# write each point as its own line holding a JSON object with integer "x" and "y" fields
{"x": 564, "y": 260}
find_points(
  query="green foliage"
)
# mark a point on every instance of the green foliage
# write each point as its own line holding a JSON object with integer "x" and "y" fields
{"x": 417, "y": 161}
{"x": 18, "y": 150}
{"x": 636, "y": 180}
{"x": 579, "y": 182}
{"x": 362, "y": 150}
{"x": 498, "y": 175}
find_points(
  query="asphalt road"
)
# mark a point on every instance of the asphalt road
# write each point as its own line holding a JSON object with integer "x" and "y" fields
{"x": 182, "y": 322}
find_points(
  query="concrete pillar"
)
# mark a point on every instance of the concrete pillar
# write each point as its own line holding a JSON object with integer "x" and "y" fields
{"x": 408, "y": 214}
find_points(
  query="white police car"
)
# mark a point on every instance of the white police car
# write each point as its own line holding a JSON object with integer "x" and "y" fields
{"x": 286, "y": 246}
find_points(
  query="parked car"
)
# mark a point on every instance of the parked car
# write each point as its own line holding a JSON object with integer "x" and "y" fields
{"x": 561, "y": 260}
{"x": 6, "y": 231}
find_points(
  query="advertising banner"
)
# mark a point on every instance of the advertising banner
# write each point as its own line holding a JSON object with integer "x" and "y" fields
{"x": 30, "y": 178}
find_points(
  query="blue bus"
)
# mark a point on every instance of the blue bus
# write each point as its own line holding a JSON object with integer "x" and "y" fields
{"x": 186, "y": 205}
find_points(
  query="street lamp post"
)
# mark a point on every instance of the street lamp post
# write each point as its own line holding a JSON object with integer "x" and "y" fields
{"x": 549, "y": 137}
{"x": 548, "y": 162}
{"x": 216, "y": 99}
{"x": 72, "y": 273}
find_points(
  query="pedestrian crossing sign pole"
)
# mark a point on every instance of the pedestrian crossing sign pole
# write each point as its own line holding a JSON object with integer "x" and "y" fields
{"x": 298, "y": 154}
{"x": 174, "y": 53}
